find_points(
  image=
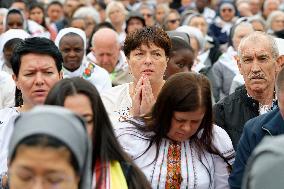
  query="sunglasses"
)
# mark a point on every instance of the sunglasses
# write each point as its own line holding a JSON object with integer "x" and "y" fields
{"x": 147, "y": 15}
{"x": 227, "y": 10}
{"x": 173, "y": 21}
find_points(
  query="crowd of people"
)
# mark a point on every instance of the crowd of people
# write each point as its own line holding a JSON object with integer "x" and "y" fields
{"x": 103, "y": 94}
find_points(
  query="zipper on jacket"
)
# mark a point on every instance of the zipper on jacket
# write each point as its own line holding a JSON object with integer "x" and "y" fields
{"x": 267, "y": 131}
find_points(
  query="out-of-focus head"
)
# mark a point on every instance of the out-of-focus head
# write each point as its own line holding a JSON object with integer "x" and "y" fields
{"x": 239, "y": 31}
{"x": 275, "y": 21}
{"x": 269, "y": 6}
{"x": 106, "y": 48}
{"x": 227, "y": 11}
{"x": 116, "y": 12}
{"x": 181, "y": 57}
{"x": 14, "y": 20}
{"x": 258, "y": 23}
{"x": 148, "y": 13}
{"x": 172, "y": 20}
{"x": 134, "y": 22}
{"x": 3, "y": 12}
{"x": 161, "y": 11}
{"x": 198, "y": 21}
{"x": 42, "y": 137}
{"x": 54, "y": 11}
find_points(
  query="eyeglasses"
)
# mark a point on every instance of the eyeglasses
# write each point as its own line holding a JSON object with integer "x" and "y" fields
{"x": 173, "y": 21}
{"x": 147, "y": 15}
{"x": 228, "y": 10}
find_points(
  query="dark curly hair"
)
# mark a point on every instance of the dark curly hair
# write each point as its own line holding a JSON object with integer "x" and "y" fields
{"x": 146, "y": 36}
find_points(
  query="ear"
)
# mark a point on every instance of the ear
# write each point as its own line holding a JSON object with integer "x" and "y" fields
{"x": 61, "y": 74}
{"x": 279, "y": 63}
{"x": 239, "y": 64}
{"x": 16, "y": 81}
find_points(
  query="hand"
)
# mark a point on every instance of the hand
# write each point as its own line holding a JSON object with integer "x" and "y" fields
{"x": 143, "y": 98}
{"x": 148, "y": 99}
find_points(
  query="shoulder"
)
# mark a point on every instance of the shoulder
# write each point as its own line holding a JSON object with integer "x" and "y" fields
{"x": 115, "y": 93}
{"x": 130, "y": 137}
{"x": 7, "y": 117}
{"x": 222, "y": 141}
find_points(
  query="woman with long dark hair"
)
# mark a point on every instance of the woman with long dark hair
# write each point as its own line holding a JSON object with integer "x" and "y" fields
{"x": 179, "y": 147}
{"x": 111, "y": 166}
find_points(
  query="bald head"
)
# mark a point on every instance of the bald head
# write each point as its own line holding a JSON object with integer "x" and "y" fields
{"x": 106, "y": 48}
{"x": 105, "y": 35}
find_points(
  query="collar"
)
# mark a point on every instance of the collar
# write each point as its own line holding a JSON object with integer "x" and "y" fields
{"x": 275, "y": 123}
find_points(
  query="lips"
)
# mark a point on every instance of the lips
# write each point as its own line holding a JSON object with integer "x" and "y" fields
{"x": 147, "y": 71}
{"x": 40, "y": 92}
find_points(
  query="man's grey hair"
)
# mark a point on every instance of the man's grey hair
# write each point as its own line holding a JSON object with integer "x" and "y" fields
{"x": 258, "y": 37}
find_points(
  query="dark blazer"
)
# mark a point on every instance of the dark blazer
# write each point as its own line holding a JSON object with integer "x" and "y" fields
{"x": 255, "y": 129}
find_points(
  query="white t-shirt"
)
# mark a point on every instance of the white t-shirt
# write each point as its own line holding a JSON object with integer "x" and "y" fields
{"x": 117, "y": 102}
{"x": 7, "y": 90}
{"x": 7, "y": 118}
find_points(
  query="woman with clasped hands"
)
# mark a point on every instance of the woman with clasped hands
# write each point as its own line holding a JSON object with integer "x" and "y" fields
{"x": 147, "y": 51}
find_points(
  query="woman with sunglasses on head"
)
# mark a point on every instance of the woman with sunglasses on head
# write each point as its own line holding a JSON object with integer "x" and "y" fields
{"x": 220, "y": 28}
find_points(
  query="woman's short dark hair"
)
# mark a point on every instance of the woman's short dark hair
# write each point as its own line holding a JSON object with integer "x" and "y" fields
{"x": 145, "y": 36}
{"x": 41, "y": 140}
{"x": 36, "y": 45}
{"x": 105, "y": 146}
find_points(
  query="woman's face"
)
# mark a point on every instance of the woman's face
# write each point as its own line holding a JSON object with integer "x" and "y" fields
{"x": 185, "y": 124}
{"x": 160, "y": 14}
{"x": 36, "y": 15}
{"x": 15, "y": 21}
{"x": 116, "y": 16}
{"x": 277, "y": 23}
{"x": 42, "y": 167}
{"x": 148, "y": 60}
{"x": 37, "y": 75}
{"x": 200, "y": 23}
{"x": 227, "y": 14}
{"x": 72, "y": 50}
{"x": 54, "y": 12}
{"x": 173, "y": 21}
{"x": 180, "y": 61}
{"x": 81, "y": 105}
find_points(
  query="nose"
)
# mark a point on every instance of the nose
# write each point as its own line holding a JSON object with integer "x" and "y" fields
{"x": 186, "y": 127}
{"x": 255, "y": 66}
{"x": 148, "y": 60}
{"x": 38, "y": 184}
{"x": 39, "y": 80}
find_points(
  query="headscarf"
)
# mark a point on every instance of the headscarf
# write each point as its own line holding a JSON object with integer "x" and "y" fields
{"x": 61, "y": 124}
{"x": 8, "y": 35}
{"x": 25, "y": 24}
{"x": 82, "y": 34}
{"x": 65, "y": 31}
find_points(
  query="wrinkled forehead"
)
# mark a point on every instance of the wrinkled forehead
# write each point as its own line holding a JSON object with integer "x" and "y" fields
{"x": 255, "y": 47}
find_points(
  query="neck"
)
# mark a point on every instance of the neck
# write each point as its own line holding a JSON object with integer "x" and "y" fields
{"x": 264, "y": 97}
{"x": 118, "y": 27}
{"x": 24, "y": 107}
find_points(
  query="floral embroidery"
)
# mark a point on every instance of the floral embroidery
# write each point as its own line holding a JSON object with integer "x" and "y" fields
{"x": 89, "y": 70}
{"x": 174, "y": 178}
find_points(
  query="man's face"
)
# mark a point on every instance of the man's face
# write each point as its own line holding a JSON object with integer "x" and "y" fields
{"x": 257, "y": 65}
{"x": 107, "y": 55}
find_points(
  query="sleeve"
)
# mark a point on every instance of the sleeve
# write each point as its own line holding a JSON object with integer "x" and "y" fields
{"x": 219, "y": 114}
{"x": 9, "y": 94}
{"x": 132, "y": 141}
{"x": 244, "y": 150}
{"x": 217, "y": 81}
{"x": 223, "y": 143}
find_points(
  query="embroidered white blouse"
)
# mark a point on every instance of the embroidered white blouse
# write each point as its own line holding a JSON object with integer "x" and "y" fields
{"x": 194, "y": 173}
